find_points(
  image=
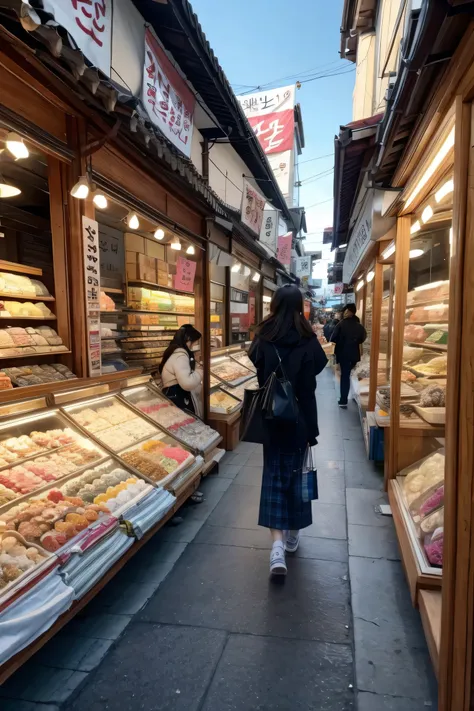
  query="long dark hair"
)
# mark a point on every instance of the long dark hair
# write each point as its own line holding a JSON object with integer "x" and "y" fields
{"x": 184, "y": 334}
{"x": 286, "y": 312}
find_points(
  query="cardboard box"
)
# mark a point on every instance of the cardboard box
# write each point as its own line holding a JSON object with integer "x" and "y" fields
{"x": 154, "y": 249}
{"x": 132, "y": 271}
{"x": 134, "y": 242}
{"x": 147, "y": 268}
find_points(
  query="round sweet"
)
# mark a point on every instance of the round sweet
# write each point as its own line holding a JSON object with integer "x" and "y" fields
{"x": 8, "y": 543}
{"x": 11, "y": 572}
{"x": 91, "y": 515}
{"x": 113, "y": 505}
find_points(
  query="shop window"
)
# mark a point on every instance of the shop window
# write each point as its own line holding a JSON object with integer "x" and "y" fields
{"x": 34, "y": 330}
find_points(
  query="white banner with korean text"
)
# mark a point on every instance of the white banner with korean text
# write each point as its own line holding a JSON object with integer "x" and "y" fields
{"x": 89, "y": 22}
{"x": 252, "y": 208}
{"x": 167, "y": 98}
{"x": 91, "y": 249}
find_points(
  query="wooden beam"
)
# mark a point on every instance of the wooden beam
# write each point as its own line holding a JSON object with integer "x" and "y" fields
{"x": 375, "y": 340}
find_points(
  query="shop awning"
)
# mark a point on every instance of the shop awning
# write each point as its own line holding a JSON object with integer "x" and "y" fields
{"x": 179, "y": 30}
{"x": 432, "y": 36}
{"x": 354, "y": 147}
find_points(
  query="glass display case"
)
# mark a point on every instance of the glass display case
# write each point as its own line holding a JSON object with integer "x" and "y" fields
{"x": 183, "y": 425}
{"x": 159, "y": 458}
{"x": 111, "y": 422}
{"x": 223, "y": 403}
{"x": 243, "y": 359}
{"x": 217, "y": 315}
{"x": 228, "y": 370}
{"x": 239, "y": 391}
{"x": 38, "y": 450}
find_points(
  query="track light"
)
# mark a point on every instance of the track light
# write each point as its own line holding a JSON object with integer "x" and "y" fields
{"x": 100, "y": 200}
{"x": 256, "y": 277}
{"x": 81, "y": 189}
{"x": 370, "y": 276}
{"x": 433, "y": 166}
{"x": 159, "y": 233}
{"x": 132, "y": 221}
{"x": 236, "y": 267}
{"x": 416, "y": 227}
{"x": 16, "y": 145}
{"x": 175, "y": 244}
{"x": 190, "y": 249}
{"x": 360, "y": 285}
{"x": 427, "y": 214}
{"x": 8, "y": 191}
{"x": 414, "y": 253}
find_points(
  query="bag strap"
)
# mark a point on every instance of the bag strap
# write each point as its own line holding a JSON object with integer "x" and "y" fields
{"x": 280, "y": 364}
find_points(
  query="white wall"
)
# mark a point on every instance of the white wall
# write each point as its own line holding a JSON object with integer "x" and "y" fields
{"x": 226, "y": 169}
{"x": 363, "y": 96}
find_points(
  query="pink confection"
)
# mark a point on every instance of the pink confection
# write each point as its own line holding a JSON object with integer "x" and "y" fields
{"x": 433, "y": 502}
{"x": 176, "y": 453}
{"x": 434, "y": 551}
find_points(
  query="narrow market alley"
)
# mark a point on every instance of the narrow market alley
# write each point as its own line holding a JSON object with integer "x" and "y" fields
{"x": 193, "y": 622}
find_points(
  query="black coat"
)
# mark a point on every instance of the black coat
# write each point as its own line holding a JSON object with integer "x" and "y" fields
{"x": 348, "y": 336}
{"x": 303, "y": 359}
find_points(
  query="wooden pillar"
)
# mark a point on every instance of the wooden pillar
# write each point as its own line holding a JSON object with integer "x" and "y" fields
{"x": 399, "y": 315}
{"x": 457, "y": 617}
{"x": 375, "y": 340}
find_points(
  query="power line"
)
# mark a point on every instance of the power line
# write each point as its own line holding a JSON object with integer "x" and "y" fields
{"x": 324, "y": 76}
{"x": 305, "y": 80}
{"x": 310, "y": 160}
{"x": 317, "y": 176}
{"x": 319, "y": 203}
{"x": 288, "y": 77}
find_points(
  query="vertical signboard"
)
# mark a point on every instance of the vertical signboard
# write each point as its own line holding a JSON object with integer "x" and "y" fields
{"x": 272, "y": 117}
{"x": 167, "y": 98}
{"x": 253, "y": 205}
{"x": 89, "y": 22}
{"x": 284, "y": 249}
{"x": 91, "y": 249}
{"x": 268, "y": 233}
{"x": 185, "y": 273}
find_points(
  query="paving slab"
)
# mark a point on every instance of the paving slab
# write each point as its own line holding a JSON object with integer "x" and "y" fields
{"x": 375, "y": 702}
{"x": 229, "y": 588}
{"x": 361, "y": 504}
{"x": 249, "y": 677}
{"x": 354, "y": 450}
{"x": 97, "y": 626}
{"x": 238, "y": 508}
{"x": 229, "y": 471}
{"x": 154, "y": 667}
{"x": 364, "y": 475}
{"x": 249, "y": 476}
{"x": 329, "y": 521}
{"x": 367, "y": 543}
{"x": 319, "y": 548}
{"x": 41, "y": 684}
{"x": 331, "y": 489}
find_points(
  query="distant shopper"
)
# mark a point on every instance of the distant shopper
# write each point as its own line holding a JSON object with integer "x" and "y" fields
{"x": 329, "y": 328}
{"x": 182, "y": 378}
{"x": 285, "y": 334}
{"x": 348, "y": 336}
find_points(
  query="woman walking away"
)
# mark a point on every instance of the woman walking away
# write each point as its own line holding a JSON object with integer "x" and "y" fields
{"x": 182, "y": 379}
{"x": 287, "y": 336}
{"x": 348, "y": 336}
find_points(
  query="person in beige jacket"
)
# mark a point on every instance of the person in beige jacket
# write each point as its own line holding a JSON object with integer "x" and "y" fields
{"x": 180, "y": 375}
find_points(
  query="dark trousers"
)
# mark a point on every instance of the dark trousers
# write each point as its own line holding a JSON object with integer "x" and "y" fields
{"x": 181, "y": 398}
{"x": 346, "y": 368}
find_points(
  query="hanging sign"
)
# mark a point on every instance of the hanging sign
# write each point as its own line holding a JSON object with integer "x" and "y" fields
{"x": 89, "y": 22}
{"x": 338, "y": 289}
{"x": 268, "y": 233}
{"x": 252, "y": 208}
{"x": 284, "y": 249}
{"x": 167, "y": 98}
{"x": 91, "y": 249}
{"x": 358, "y": 243}
{"x": 185, "y": 273}
{"x": 303, "y": 266}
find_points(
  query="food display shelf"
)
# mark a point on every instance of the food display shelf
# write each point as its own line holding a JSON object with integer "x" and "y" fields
{"x": 24, "y": 297}
{"x": 165, "y": 480}
{"x": 229, "y": 371}
{"x": 164, "y": 313}
{"x": 217, "y": 397}
{"x": 424, "y": 344}
{"x": 159, "y": 287}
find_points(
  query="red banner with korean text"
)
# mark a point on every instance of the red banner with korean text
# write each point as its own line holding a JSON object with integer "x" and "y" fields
{"x": 284, "y": 249}
{"x": 167, "y": 98}
{"x": 185, "y": 273}
{"x": 275, "y": 131}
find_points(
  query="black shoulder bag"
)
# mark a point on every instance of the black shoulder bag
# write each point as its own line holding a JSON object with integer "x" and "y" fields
{"x": 275, "y": 401}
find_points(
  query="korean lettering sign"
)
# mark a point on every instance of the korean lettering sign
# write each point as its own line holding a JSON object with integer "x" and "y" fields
{"x": 90, "y": 241}
{"x": 303, "y": 266}
{"x": 185, "y": 273}
{"x": 89, "y": 22}
{"x": 168, "y": 101}
{"x": 284, "y": 249}
{"x": 271, "y": 115}
{"x": 268, "y": 102}
{"x": 253, "y": 205}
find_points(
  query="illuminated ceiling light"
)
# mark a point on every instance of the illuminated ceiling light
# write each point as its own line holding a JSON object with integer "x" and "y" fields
{"x": 247, "y": 271}
{"x": 433, "y": 166}
{"x": 8, "y": 191}
{"x": 414, "y": 253}
{"x": 429, "y": 286}
{"x": 416, "y": 227}
{"x": 190, "y": 249}
{"x": 236, "y": 267}
{"x": 16, "y": 145}
{"x": 100, "y": 200}
{"x": 159, "y": 233}
{"x": 389, "y": 250}
{"x": 342, "y": 246}
{"x": 427, "y": 214}
{"x": 444, "y": 190}
{"x": 370, "y": 276}
{"x": 175, "y": 244}
{"x": 132, "y": 221}
{"x": 267, "y": 299}
{"x": 256, "y": 277}
{"x": 360, "y": 285}
{"x": 81, "y": 188}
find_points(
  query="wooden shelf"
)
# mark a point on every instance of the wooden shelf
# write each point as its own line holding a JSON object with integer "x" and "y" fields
{"x": 434, "y": 346}
{"x": 28, "y": 318}
{"x": 430, "y": 610}
{"x": 33, "y": 355}
{"x": 23, "y": 297}
{"x": 152, "y": 284}
{"x": 117, "y": 311}
{"x": 160, "y": 313}
{"x": 19, "y": 268}
{"x": 110, "y": 290}
{"x": 426, "y": 323}
{"x": 429, "y": 302}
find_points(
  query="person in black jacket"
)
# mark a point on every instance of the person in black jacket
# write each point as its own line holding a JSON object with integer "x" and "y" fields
{"x": 348, "y": 336}
{"x": 285, "y": 333}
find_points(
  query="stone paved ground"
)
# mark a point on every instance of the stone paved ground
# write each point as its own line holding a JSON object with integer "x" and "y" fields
{"x": 192, "y": 623}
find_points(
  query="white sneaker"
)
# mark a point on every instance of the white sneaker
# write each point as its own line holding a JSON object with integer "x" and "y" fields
{"x": 292, "y": 542}
{"x": 277, "y": 559}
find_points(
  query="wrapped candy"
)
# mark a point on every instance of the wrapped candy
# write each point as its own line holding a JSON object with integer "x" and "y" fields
{"x": 433, "y": 545}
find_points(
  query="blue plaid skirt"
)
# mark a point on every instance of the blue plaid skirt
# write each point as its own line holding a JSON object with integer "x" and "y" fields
{"x": 281, "y": 500}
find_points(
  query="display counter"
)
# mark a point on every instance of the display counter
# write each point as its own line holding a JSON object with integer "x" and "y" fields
{"x": 82, "y": 485}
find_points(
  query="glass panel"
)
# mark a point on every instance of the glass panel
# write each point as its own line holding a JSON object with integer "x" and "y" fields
{"x": 217, "y": 316}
